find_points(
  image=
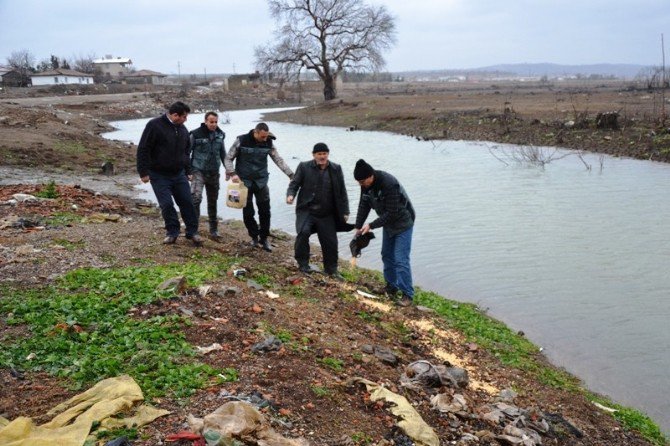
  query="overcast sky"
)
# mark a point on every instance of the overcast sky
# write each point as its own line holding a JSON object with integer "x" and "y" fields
{"x": 220, "y": 36}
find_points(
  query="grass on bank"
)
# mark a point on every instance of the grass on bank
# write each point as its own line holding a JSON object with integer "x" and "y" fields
{"x": 81, "y": 328}
{"x": 514, "y": 350}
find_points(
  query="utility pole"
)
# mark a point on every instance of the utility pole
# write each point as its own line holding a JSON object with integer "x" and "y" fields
{"x": 205, "y": 73}
{"x": 179, "y": 70}
{"x": 663, "y": 80}
{"x": 233, "y": 67}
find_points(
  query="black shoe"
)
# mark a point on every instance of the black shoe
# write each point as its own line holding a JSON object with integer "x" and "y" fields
{"x": 405, "y": 301}
{"x": 390, "y": 291}
{"x": 266, "y": 245}
{"x": 196, "y": 239}
{"x": 254, "y": 243}
{"x": 215, "y": 234}
{"x": 305, "y": 269}
{"x": 336, "y": 276}
{"x": 170, "y": 240}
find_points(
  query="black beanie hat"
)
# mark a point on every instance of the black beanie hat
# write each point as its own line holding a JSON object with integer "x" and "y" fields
{"x": 320, "y": 147}
{"x": 362, "y": 170}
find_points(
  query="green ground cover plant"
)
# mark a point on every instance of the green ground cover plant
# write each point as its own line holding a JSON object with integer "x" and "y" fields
{"x": 81, "y": 329}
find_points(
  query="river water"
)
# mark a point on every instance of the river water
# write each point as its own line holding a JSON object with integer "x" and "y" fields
{"x": 575, "y": 258}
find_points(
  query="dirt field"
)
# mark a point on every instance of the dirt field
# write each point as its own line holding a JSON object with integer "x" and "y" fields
{"x": 561, "y": 114}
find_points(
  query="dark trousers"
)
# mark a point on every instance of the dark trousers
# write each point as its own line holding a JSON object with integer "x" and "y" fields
{"x": 167, "y": 187}
{"x": 327, "y": 233}
{"x": 262, "y": 196}
{"x": 210, "y": 182}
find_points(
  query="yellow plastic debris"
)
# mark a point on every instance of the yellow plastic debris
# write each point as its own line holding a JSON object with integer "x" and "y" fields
{"x": 410, "y": 420}
{"x": 73, "y": 419}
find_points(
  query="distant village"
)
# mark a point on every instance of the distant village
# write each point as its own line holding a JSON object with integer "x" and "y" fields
{"x": 107, "y": 70}
{"x": 120, "y": 70}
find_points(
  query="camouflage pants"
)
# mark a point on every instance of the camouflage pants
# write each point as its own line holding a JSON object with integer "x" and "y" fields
{"x": 210, "y": 182}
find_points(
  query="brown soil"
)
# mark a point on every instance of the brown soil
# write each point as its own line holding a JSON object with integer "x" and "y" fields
{"x": 63, "y": 135}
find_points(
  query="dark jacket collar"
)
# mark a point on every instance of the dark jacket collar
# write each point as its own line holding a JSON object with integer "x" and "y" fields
{"x": 206, "y": 130}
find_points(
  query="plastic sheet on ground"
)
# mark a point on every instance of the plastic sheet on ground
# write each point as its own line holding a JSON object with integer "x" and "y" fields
{"x": 73, "y": 419}
{"x": 240, "y": 420}
{"x": 411, "y": 422}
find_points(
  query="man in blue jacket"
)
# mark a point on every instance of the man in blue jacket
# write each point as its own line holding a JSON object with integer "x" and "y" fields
{"x": 163, "y": 160}
{"x": 207, "y": 154}
{"x": 382, "y": 192}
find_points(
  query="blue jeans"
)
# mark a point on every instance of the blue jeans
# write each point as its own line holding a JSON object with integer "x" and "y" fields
{"x": 395, "y": 256}
{"x": 167, "y": 187}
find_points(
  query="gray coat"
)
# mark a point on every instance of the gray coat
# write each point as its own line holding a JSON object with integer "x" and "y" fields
{"x": 304, "y": 185}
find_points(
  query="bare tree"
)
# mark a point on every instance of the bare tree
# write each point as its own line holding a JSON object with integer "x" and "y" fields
{"x": 83, "y": 64}
{"x": 22, "y": 61}
{"x": 653, "y": 78}
{"x": 327, "y": 36}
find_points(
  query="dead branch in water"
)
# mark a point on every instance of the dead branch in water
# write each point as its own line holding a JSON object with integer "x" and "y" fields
{"x": 535, "y": 156}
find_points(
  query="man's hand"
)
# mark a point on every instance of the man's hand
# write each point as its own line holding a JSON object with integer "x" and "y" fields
{"x": 235, "y": 179}
{"x": 364, "y": 230}
{"x": 289, "y": 199}
{"x": 145, "y": 178}
{"x": 346, "y": 217}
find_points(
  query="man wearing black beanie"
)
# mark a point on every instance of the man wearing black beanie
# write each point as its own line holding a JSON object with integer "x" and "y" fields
{"x": 382, "y": 192}
{"x": 322, "y": 207}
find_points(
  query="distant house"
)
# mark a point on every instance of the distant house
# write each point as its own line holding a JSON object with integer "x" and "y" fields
{"x": 236, "y": 81}
{"x": 145, "y": 77}
{"x": 61, "y": 76}
{"x": 112, "y": 67}
{"x": 10, "y": 77}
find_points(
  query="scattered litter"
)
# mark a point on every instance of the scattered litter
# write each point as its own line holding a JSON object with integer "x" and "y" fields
{"x": 368, "y": 295}
{"x": 203, "y": 290}
{"x": 272, "y": 295}
{"x": 271, "y": 343}
{"x": 121, "y": 441}
{"x": 254, "y": 285}
{"x": 239, "y": 272}
{"x": 24, "y": 197}
{"x": 605, "y": 408}
{"x": 410, "y": 420}
{"x": 209, "y": 349}
{"x": 240, "y": 420}
{"x": 442, "y": 403}
{"x": 72, "y": 420}
{"x": 184, "y": 435}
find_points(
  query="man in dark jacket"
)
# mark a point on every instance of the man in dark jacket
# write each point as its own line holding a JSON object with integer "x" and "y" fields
{"x": 382, "y": 192}
{"x": 207, "y": 154}
{"x": 322, "y": 207}
{"x": 251, "y": 152}
{"x": 163, "y": 159}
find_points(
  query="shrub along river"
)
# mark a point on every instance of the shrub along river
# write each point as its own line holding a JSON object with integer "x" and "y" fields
{"x": 575, "y": 258}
